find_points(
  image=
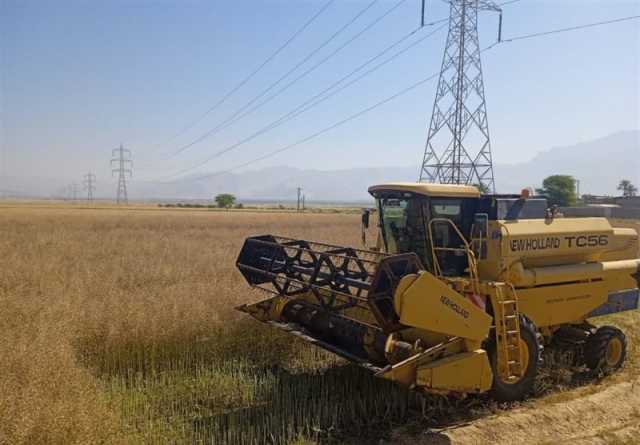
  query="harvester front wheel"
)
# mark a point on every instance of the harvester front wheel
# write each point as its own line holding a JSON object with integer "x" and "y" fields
{"x": 606, "y": 350}
{"x": 531, "y": 347}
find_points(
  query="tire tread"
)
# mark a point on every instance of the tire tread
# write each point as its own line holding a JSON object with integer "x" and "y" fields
{"x": 596, "y": 348}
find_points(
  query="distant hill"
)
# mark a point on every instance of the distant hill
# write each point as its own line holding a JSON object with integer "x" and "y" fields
{"x": 598, "y": 164}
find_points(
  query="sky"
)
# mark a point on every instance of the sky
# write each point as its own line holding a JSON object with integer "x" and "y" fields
{"x": 80, "y": 77}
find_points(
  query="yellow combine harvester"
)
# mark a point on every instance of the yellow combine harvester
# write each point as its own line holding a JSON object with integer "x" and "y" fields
{"x": 462, "y": 292}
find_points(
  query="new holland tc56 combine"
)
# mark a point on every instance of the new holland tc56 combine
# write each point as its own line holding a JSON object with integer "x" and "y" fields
{"x": 461, "y": 294}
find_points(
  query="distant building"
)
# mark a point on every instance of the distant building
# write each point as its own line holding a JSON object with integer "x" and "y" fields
{"x": 632, "y": 202}
{"x": 606, "y": 206}
{"x": 598, "y": 199}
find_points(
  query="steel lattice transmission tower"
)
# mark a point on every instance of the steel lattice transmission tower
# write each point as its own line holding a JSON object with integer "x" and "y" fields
{"x": 458, "y": 148}
{"x": 124, "y": 164}
{"x": 72, "y": 191}
{"x": 89, "y": 185}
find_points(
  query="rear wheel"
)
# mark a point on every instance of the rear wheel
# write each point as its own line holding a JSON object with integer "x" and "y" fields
{"x": 531, "y": 350}
{"x": 606, "y": 350}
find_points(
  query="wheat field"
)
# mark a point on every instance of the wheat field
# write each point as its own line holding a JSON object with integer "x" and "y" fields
{"x": 118, "y": 326}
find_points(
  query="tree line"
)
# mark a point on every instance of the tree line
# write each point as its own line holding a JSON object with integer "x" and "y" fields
{"x": 561, "y": 190}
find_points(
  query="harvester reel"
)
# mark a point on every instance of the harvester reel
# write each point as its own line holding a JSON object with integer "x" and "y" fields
{"x": 337, "y": 277}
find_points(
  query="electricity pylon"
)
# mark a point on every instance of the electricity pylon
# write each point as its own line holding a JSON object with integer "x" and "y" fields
{"x": 89, "y": 185}
{"x": 72, "y": 191}
{"x": 124, "y": 165}
{"x": 458, "y": 148}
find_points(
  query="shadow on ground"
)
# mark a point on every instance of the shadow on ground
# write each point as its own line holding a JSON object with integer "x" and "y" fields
{"x": 346, "y": 404}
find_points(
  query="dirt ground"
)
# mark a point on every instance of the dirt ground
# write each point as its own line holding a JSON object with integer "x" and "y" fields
{"x": 609, "y": 416}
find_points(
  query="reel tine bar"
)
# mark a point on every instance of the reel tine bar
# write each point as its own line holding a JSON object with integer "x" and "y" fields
{"x": 331, "y": 273}
{"x": 338, "y": 277}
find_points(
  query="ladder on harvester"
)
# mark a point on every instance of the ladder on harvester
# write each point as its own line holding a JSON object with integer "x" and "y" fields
{"x": 509, "y": 354}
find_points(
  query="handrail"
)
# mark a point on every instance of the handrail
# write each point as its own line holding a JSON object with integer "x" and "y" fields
{"x": 471, "y": 257}
{"x": 477, "y": 240}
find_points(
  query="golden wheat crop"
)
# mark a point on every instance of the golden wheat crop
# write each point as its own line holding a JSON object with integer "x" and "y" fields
{"x": 144, "y": 302}
{"x": 118, "y": 326}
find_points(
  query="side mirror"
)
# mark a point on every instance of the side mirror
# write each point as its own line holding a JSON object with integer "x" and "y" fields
{"x": 479, "y": 235}
{"x": 365, "y": 225}
{"x": 365, "y": 218}
{"x": 480, "y": 225}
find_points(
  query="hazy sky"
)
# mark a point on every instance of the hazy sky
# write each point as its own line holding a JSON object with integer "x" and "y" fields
{"x": 79, "y": 77}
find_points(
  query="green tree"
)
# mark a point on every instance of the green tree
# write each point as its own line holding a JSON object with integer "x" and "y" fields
{"x": 627, "y": 188}
{"x": 225, "y": 200}
{"x": 559, "y": 190}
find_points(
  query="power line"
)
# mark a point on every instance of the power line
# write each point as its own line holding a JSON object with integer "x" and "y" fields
{"x": 259, "y": 68}
{"x": 396, "y": 95}
{"x": 235, "y": 116}
{"x": 312, "y": 102}
{"x": 244, "y": 81}
{"x": 314, "y": 67}
{"x": 326, "y": 129}
{"x": 302, "y": 108}
{"x": 572, "y": 28}
{"x": 508, "y": 2}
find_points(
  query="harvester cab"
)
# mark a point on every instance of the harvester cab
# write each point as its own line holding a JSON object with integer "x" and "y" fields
{"x": 439, "y": 222}
{"x": 463, "y": 293}
{"x": 418, "y": 218}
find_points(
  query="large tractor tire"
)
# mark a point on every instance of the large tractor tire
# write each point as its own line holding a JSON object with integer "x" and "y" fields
{"x": 531, "y": 346}
{"x": 606, "y": 349}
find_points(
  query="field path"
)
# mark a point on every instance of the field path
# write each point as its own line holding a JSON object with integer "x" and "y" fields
{"x": 609, "y": 416}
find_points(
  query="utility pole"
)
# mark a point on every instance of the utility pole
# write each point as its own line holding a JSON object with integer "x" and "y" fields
{"x": 299, "y": 189}
{"x": 458, "y": 147}
{"x": 89, "y": 185}
{"x": 123, "y": 166}
{"x": 303, "y": 199}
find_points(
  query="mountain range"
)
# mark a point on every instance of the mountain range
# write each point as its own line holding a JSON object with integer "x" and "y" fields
{"x": 598, "y": 165}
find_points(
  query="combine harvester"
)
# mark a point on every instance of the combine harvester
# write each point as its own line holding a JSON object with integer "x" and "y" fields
{"x": 462, "y": 293}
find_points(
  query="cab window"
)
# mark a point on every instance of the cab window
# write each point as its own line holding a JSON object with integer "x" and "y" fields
{"x": 452, "y": 262}
{"x": 403, "y": 225}
{"x": 446, "y": 208}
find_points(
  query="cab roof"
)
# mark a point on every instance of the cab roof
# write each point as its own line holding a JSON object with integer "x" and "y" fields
{"x": 428, "y": 189}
